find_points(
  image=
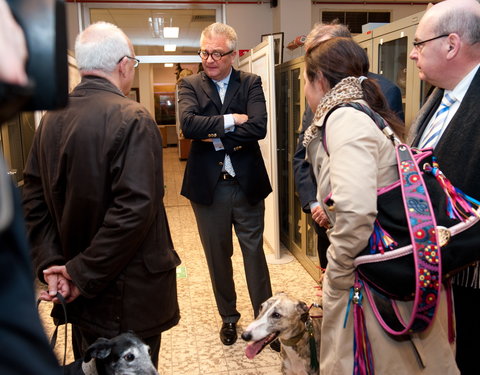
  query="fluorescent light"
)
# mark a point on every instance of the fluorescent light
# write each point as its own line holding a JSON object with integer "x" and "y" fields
{"x": 168, "y": 65}
{"x": 170, "y": 47}
{"x": 161, "y": 59}
{"x": 171, "y": 32}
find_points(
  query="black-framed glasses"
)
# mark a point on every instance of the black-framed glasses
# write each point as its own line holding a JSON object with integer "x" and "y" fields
{"x": 419, "y": 45}
{"x": 135, "y": 60}
{"x": 215, "y": 54}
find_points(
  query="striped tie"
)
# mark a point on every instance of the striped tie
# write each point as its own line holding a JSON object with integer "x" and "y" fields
{"x": 435, "y": 130}
{"x": 227, "y": 163}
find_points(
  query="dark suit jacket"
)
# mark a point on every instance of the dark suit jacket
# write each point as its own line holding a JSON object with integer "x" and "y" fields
{"x": 201, "y": 117}
{"x": 304, "y": 180}
{"x": 458, "y": 150}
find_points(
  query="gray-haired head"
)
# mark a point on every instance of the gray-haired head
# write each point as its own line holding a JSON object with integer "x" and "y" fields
{"x": 222, "y": 29}
{"x": 100, "y": 46}
{"x": 461, "y": 17}
{"x": 323, "y": 31}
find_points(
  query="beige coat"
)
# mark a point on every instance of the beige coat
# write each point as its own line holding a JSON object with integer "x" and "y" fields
{"x": 361, "y": 159}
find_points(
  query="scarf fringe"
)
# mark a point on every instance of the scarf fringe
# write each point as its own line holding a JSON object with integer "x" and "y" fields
{"x": 468, "y": 278}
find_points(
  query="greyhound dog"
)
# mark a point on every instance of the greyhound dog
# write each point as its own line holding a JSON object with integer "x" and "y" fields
{"x": 288, "y": 319}
{"x": 125, "y": 354}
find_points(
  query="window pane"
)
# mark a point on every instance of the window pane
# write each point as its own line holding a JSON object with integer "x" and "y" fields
{"x": 332, "y": 16}
{"x": 379, "y": 17}
{"x": 355, "y": 20}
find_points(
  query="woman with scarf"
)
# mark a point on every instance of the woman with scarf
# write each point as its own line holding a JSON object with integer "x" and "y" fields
{"x": 351, "y": 159}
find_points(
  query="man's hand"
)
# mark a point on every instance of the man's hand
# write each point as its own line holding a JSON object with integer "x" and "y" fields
{"x": 59, "y": 280}
{"x": 319, "y": 216}
{"x": 13, "y": 47}
{"x": 239, "y": 119}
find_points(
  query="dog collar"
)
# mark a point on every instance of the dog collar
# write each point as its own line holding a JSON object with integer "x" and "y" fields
{"x": 311, "y": 341}
{"x": 293, "y": 340}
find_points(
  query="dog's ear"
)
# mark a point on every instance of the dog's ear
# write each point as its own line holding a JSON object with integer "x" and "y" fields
{"x": 101, "y": 349}
{"x": 303, "y": 309}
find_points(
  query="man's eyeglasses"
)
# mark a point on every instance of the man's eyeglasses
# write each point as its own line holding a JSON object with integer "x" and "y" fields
{"x": 419, "y": 45}
{"x": 215, "y": 55}
{"x": 135, "y": 60}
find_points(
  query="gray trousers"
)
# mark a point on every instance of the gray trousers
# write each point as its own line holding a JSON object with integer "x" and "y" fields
{"x": 230, "y": 207}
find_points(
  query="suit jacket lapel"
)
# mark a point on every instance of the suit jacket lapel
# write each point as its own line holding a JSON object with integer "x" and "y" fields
{"x": 232, "y": 88}
{"x": 208, "y": 86}
{"x": 424, "y": 116}
{"x": 466, "y": 114}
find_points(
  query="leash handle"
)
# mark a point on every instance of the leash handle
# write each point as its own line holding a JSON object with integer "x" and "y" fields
{"x": 53, "y": 340}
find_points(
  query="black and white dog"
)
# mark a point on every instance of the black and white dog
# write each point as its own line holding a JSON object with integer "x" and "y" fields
{"x": 125, "y": 354}
{"x": 288, "y": 319}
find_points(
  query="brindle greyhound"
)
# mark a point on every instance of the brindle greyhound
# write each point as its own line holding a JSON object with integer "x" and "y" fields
{"x": 288, "y": 319}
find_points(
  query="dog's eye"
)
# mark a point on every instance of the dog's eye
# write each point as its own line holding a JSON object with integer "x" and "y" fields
{"x": 276, "y": 315}
{"x": 129, "y": 357}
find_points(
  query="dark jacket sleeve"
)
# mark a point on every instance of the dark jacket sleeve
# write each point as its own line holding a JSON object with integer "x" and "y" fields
{"x": 198, "y": 118}
{"x": 304, "y": 179}
{"x": 255, "y": 128}
{"x": 42, "y": 230}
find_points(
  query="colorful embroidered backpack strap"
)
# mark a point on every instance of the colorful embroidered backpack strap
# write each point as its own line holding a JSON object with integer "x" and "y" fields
{"x": 426, "y": 252}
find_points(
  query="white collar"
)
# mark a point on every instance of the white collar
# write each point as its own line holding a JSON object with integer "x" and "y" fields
{"x": 461, "y": 89}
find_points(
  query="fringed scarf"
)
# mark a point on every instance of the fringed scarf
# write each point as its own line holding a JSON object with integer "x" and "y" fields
{"x": 347, "y": 90}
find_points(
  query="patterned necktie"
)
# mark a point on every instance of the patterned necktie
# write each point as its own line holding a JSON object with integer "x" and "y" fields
{"x": 222, "y": 89}
{"x": 227, "y": 163}
{"x": 435, "y": 130}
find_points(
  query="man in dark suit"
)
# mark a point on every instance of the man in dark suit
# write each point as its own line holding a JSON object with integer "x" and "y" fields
{"x": 223, "y": 111}
{"x": 447, "y": 54}
{"x": 304, "y": 179}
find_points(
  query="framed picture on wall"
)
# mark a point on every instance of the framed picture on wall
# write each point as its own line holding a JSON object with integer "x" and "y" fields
{"x": 134, "y": 94}
{"x": 277, "y": 47}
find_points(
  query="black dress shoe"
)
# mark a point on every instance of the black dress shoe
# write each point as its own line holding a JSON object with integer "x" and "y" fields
{"x": 275, "y": 345}
{"x": 228, "y": 333}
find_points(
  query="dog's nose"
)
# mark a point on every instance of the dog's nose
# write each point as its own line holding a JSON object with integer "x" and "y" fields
{"x": 247, "y": 336}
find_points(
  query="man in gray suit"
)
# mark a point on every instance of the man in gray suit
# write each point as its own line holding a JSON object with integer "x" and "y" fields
{"x": 447, "y": 54}
{"x": 223, "y": 110}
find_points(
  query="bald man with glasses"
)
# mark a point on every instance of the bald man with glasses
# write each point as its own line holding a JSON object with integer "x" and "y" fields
{"x": 223, "y": 111}
{"x": 447, "y": 54}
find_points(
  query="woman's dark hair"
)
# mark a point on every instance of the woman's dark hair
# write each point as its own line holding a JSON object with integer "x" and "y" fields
{"x": 338, "y": 58}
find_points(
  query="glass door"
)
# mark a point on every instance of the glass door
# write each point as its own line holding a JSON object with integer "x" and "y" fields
{"x": 295, "y": 125}
{"x": 282, "y": 103}
{"x": 390, "y": 59}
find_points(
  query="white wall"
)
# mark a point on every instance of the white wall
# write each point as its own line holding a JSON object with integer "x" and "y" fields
{"x": 293, "y": 18}
{"x": 250, "y": 22}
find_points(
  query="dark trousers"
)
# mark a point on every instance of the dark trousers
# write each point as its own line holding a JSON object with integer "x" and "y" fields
{"x": 230, "y": 207}
{"x": 82, "y": 339}
{"x": 468, "y": 328}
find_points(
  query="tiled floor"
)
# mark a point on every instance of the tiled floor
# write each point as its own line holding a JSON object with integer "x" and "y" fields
{"x": 193, "y": 347}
